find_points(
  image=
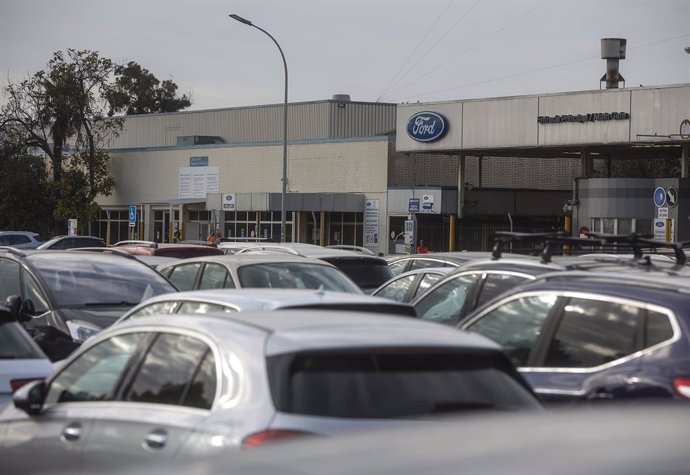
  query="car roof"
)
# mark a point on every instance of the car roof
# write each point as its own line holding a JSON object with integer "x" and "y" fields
{"x": 654, "y": 289}
{"x": 239, "y": 260}
{"x": 310, "y": 250}
{"x": 451, "y": 256}
{"x": 289, "y": 331}
{"x": 270, "y": 298}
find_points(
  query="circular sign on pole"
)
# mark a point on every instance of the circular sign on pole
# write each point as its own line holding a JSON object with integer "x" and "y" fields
{"x": 672, "y": 196}
{"x": 685, "y": 129}
{"x": 659, "y": 196}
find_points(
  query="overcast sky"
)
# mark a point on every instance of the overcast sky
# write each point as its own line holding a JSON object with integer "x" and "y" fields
{"x": 388, "y": 50}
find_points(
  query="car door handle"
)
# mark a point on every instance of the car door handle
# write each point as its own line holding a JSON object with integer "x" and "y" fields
{"x": 72, "y": 431}
{"x": 156, "y": 439}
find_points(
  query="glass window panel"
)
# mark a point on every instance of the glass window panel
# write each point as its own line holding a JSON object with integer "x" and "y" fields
{"x": 515, "y": 325}
{"x": 592, "y": 333}
{"x": 32, "y": 292}
{"x": 9, "y": 279}
{"x": 184, "y": 275}
{"x": 607, "y": 225}
{"x": 94, "y": 374}
{"x": 168, "y": 370}
{"x": 427, "y": 281}
{"x": 624, "y": 226}
{"x": 496, "y": 284}
{"x": 658, "y": 328}
{"x": 446, "y": 302}
{"x": 397, "y": 290}
{"x": 192, "y": 308}
{"x": 159, "y": 308}
{"x": 214, "y": 277}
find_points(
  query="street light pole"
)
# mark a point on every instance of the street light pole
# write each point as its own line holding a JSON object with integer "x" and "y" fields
{"x": 285, "y": 122}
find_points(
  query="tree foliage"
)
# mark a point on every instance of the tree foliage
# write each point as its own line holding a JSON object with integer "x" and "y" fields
{"x": 138, "y": 91}
{"x": 65, "y": 113}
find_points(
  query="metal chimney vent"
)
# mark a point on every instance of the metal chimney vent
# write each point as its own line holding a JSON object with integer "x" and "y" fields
{"x": 341, "y": 97}
{"x": 612, "y": 50}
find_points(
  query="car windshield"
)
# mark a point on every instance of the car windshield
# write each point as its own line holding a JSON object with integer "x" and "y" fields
{"x": 295, "y": 275}
{"x": 393, "y": 384}
{"x": 76, "y": 281}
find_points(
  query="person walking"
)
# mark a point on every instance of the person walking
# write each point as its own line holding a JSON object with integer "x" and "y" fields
{"x": 212, "y": 237}
{"x": 421, "y": 248}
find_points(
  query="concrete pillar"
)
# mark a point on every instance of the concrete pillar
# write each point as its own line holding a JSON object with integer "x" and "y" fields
{"x": 587, "y": 164}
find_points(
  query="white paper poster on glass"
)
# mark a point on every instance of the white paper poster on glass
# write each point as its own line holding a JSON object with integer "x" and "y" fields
{"x": 371, "y": 222}
{"x": 196, "y": 182}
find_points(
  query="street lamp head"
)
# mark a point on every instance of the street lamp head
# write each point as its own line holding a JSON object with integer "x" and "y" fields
{"x": 240, "y": 19}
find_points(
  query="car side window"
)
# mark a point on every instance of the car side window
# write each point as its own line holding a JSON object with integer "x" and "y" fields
{"x": 496, "y": 284}
{"x": 397, "y": 289}
{"x": 177, "y": 370}
{"x": 32, "y": 292}
{"x": 423, "y": 263}
{"x": 191, "y": 308}
{"x": 184, "y": 275}
{"x": 93, "y": 376}
{"x": 593, "y": 332}
{"x": 19, "y": 239}
{"x": 158, "y": 308}
{"x": 516, "y": 324}
{"x": 397, "y": 268}
{"x": 427, "y": 281}
{"x": 9, "y": 278}
{"x": 658, "y": 328}
{"x": 445, "y": 303}
{"x": 215, "y": 276}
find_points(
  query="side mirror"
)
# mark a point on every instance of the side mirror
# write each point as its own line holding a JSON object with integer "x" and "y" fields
{"x": 28, "y": 309}
{"x": 30, "y": 397}
{"x": 14, "y": 303}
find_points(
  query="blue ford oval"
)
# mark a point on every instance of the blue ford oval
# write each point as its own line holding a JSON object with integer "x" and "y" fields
{"x": 426, "y": 126}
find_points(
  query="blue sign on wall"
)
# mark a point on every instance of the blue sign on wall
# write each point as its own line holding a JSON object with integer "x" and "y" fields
{"x": 198, "y": 161}
{"x": 426, "y": 126}
{"x": 413, "y": 205}
{"x": 659, "y": 196}
{"x": 132, "y": 216}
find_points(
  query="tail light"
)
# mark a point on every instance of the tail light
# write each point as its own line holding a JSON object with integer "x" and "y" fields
{"x": 682, "y": 386}
{"x": 271, "y": 435}
{"x": 18, "y": 383}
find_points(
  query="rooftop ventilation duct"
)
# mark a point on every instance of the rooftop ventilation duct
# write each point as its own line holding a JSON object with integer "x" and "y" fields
{"x": 612, "y": 50}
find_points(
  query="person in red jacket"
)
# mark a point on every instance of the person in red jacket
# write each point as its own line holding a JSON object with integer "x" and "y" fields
{"x": 421, "y": 248}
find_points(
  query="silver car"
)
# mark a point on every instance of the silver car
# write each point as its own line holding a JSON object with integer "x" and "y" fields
{"x": 156, "y": 388}
{"x": 256, "y": 271}
{"x": 242, "y": 300}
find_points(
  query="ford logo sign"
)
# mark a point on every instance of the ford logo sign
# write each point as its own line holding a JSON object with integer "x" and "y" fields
{"x": 659, "y": 224}
{"x": 426, "y": 126}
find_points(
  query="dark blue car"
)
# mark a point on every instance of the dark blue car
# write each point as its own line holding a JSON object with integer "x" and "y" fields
{"x": 583, "y": 336}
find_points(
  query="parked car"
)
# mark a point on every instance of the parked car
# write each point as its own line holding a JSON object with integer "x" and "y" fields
{"x": 20, "y": 239}
{"x": 72, "y": 242}
{"x": 74, "y": 295}
{"x": 156, "y": 388}
{"x": 409, "y": 285}
{"x": 585, "y": 336}
{"x": 367, "y": 271}
{"x": 467, "y": 287}
{"x": 258, "y": 271}
{"x": 241, "y": 300}
{"x": 21, "y": 360}
{"x": 403, "y": 263}
{"x": 178, "y": 250}
{"x": 151, "y": 261}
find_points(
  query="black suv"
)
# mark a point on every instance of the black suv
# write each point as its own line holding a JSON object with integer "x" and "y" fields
{"x": 63, "y": 295}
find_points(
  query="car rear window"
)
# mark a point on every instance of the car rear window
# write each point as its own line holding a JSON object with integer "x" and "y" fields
{"x": 184, "y": 253}
{"x": 368, "y": 274}
{"x": 394, "y": 383}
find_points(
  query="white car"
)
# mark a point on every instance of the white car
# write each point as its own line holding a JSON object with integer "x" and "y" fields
{"x": 242, "y": 300}
{"x": 156, "y": 388}
{"x": 21, "y": 360}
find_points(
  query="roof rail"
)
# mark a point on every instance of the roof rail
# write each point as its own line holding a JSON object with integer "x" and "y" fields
{"x": 105, "y": 250}
{"x": 151, "y": 244}
{"x": 197, "y": 242}
{"x": 349, "y": 247}
{"x": 274, "y": 248}
{"x": 640, "y": 241}
{"x": 12, "y": 250}
{"x": 505, "y": 237}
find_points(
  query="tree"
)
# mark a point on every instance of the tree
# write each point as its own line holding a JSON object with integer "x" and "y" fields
{"x": 138, "y": 91}
{"x": 24, "y": 192}
{"x": 62, "y": 111}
